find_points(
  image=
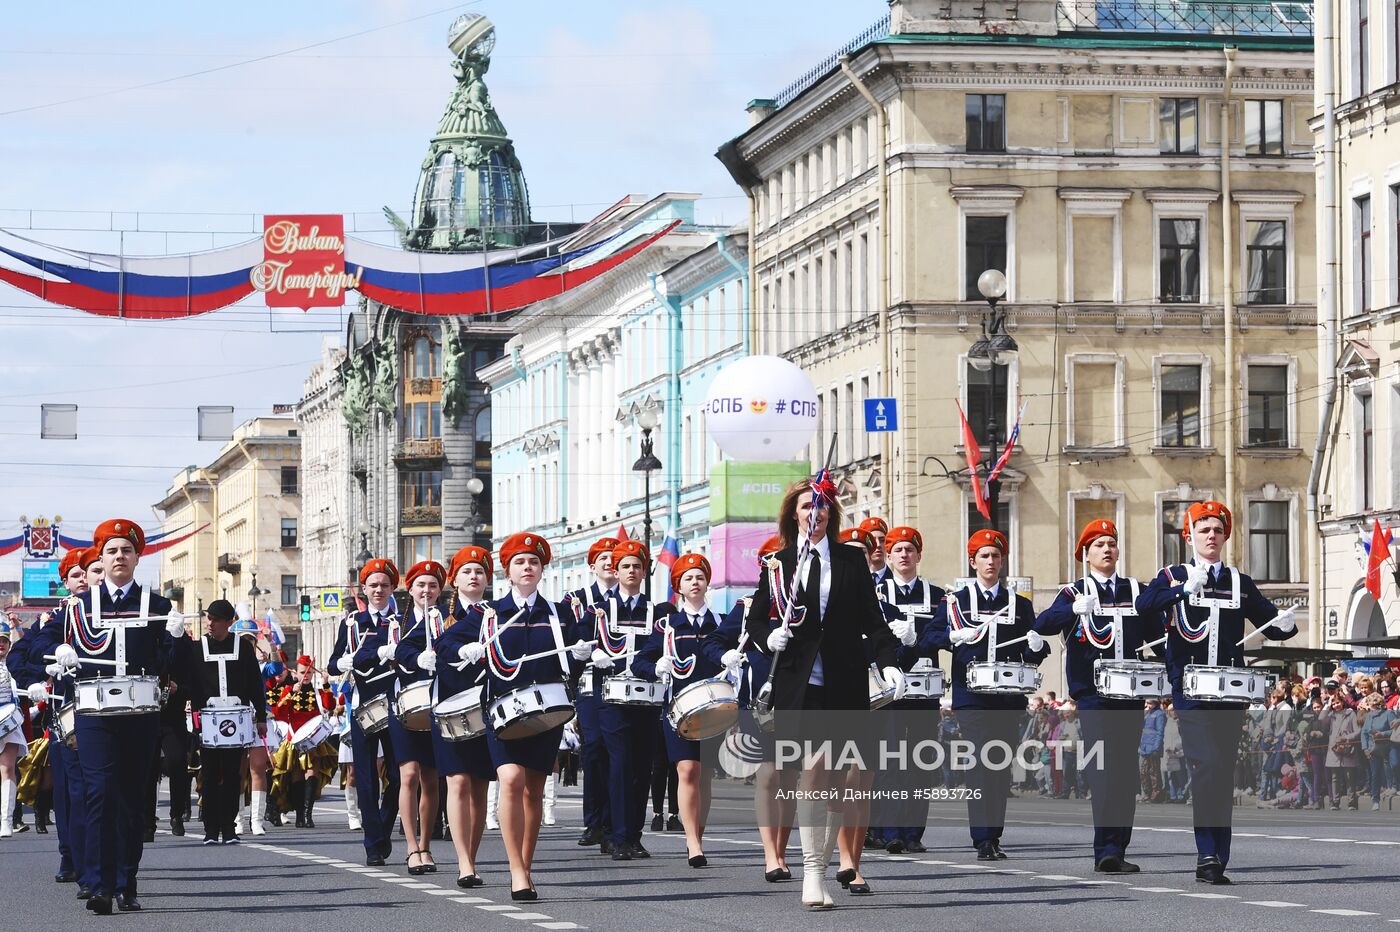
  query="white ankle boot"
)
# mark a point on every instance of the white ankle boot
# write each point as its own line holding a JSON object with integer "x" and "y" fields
{"x": 7, "y": 808}
{"x": 492, "y": 801}
{"x": 256, "y": 810}
{"x": 352, "y": 811}
{"x": 549, "y": 795}
{"x": 816, "y": 855}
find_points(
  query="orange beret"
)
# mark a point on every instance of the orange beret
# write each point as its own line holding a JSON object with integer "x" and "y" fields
{"x": 386, "y": 567}
{"x": 1092, "y": 532}
{"x": 305, "y": 661}
{"x": 1201, "y": 510}
{"x": 771, "y": 545}
{"x": 524, "y": 542}
{"x": 689, "y": 561}
{"x": 904, "y": 533}
{"x": 986, "y": 538}
{"x": 119, "y": 528}
{"x": 874, "y": 524}
{"x": 601, "y": 546}
{"x": 471, "y": 554}
{"x": 426, "y": 568}
{"x": 854, "y": 535}
{"x": 632, "y": 548}
{"x": 88, "y": 556}
{"x": 69, "y": 561}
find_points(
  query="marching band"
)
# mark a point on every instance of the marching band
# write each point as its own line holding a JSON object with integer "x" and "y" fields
{"x": 479, "y": 690}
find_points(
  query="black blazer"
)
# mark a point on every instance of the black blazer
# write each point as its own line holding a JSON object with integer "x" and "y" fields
{"x": 852, "y": 615}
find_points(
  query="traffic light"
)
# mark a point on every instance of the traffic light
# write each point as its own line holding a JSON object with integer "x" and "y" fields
{"x": 305, "y": 609}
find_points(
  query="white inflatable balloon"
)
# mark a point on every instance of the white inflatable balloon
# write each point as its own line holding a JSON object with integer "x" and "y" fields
{"x": 760, "y": 409}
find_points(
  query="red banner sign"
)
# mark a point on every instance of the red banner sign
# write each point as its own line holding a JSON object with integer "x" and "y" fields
{"x": 304, "y": 261}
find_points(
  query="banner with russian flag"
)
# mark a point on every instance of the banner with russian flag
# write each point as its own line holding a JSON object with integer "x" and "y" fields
{"x": 670, "y": 552}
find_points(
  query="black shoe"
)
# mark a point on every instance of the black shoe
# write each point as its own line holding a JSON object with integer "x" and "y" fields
{"x": 845, "y": 876}
{"x": 996, "y": 849}
{"x": 871, "y": 842}
{"x": 915, "y": 847}
{"x": 41, "y": 827}
{"x": 590, "y": 837}
{"x": 210, "y": 840}
{"x": 373, "y": 860}
{"x": 1211, "y": 871}
{"x": 128, "y": 903}
{"x": 469, "y": 881}
{"x": 177, "y": 827}
{"x": 859, "y": 889}
{"x": 986, "y": 851}
{"x": 525, "y": 896}
{"x": 233, "y": 840}
{"x": 1109, "y": 864}
{"x": 301, "y": 819}
{"x": 84, "y": 893}
{"x": 638, "y": 852}
{"x": 895, "y": 847}
{"x": 657, "y": 822}
{"x": 100, "y": 903}
{"x": 777, "y": 874}
{"x": 622, "y": 853}
{"x": 673, "y": 824}
{"x": 65, "y": 877}
{"x": 605, "y": 847}
{"x": 697, "y": 861}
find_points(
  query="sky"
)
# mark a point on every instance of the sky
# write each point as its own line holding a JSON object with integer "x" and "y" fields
{"x": 181, "y": 124}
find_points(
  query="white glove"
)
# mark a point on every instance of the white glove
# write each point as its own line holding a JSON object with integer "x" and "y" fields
{"x": 54, "y": 669}
{"x": 601, "y": 661}
{"x": 903, "y": 629}
{"x": 1034, "y": 641}
{"x": 66, "y": 655}
{"x": 1283, "y": 622}
{"x": 732, "y": 659}
{"x": 1086, "y": 604}
{"x": 344, "y": 664}
{"x": 472, "y": 652}
{"x": 1196, "y": 576}
{"x": 665, "y": 667}
{"x": 582, "y": 650}
{"x": 175, "y": 625}
{"x": 386, "y": 652}
{"x": 38, "y": 693}
{"x": 778, "y": 640}
{"x": 894, "y": 676}
{"x": 960, "y": 636}
{"x": 427, "y": 661}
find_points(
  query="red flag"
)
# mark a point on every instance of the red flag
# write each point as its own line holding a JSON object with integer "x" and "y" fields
{"x": 974, "y": 459}
{"x": 1380, "y": 552}
{"x": 622, "y": 533}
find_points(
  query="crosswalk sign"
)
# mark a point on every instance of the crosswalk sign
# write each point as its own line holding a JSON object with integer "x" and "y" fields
{"x": 330, "y": 600}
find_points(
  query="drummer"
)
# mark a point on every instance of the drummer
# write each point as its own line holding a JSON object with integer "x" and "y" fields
{"x": 725, "y": 646}
{"x": 1207, "y": 604}
{"x": 208, "y": 678}
{"x": 298, "y": 776}
{"x": 673, "y": 654}
{"x": 259, "y": 760}
{"x": 629, "y": 731}
{"x": 13, "y": 745}
{"x": 418, "y": 779}
{"x": 1090, "y": 636}
{"x": 875, "y": 529}
{"x": 357, "y": 649}
{"x": 523, "y": 623}
{"x": 593, "y": 753}
{"x": 985, "y": 717}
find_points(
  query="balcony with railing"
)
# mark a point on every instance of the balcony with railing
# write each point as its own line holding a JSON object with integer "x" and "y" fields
{"x": 420, "y": 515}
{"x": 430, "y": 448}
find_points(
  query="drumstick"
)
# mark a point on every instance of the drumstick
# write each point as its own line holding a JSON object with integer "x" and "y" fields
{"x": 559, "y": 650}
{"x": 1152, "y": 643}
{"x": 501, "y": 630}
{"x": 82, "y": 660}
{"x": 1001, "y": 644}
{"x": 1251, "y": 635}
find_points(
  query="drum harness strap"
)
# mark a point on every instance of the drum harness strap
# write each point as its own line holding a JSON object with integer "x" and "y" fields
{"x": 1101, "y": 636}
{"x": 1195, "y": 633}
{"x": 95, "y": 639}
{"x": 222, "y": 659}
{"x": 921, "y": 609}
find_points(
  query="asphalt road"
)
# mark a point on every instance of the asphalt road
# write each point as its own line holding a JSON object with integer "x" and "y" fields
{"x": 1293, "y": 870}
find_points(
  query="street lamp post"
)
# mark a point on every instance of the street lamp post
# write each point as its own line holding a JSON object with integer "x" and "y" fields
{"x": 989, "y": 354}
{"x": 474, "y": 488}
{"x": 254, "y": 591}
{"x": 647, "y": 420}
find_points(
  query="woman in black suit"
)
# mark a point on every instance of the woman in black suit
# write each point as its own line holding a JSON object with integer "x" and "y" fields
{"x": 819, "y": 656}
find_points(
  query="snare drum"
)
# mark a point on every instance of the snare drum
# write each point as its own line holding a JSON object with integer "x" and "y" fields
{"x": 704, "y": 709}
{"x": 1223, "y": 684}
{"x": 530, "y": 711}
{"x": 585, "y": 683}
{"x": 926, "y": 684}
{"x": 312, "y": 734}
{"x": 414, "y": 706}
{"x": 462, "y": 717}
{"x": 118, "y": 695}
{"x": 881, "y": 693}
{"x": 65, "y": 725}
{"x": 227, "y": 726}
{"x": 373, "y": 714}
{"x": 10, "y": 719}
{"x": 1130, "y": 679}
{"x": 1003, "y": 677}
{"x": 624, "y": 689}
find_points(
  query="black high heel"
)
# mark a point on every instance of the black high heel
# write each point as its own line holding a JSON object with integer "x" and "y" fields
{"x": 414, "y": 871}
{"x": 844, "y": 877}
{"x": 859, "y": 889}
{"x": 528, "y": 895}
{"x": 469, "y": 881}
{"x": 698, "y": 860}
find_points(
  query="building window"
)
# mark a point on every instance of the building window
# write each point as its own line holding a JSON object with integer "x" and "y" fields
{"x": 425, "y": 358}
{"x": 289, "y": 480}
{"x": 289, "y": 590}
{"x": 1263, "y": 127}
{"x": 421, "y": 488}
{"x": 1268, "y": 542}
{"x": 985, "y": 249}
{"x": 1367, "y": 441}
{"x": 414, "y": 548}
{"x": 1267, "y": 251}
{"x": 1179, "y": 260}
{"x": 289, "y": 532}
{"x": 986, "y": 122}
{"x": 1395, "y": 189}
{"x": 1178, "y": 124}
{"x": 423, "y": 420}
{"x": 1362, "y": 214}
{"x": 1181, "y": 406}
{"x": 1174, "y": 549}
{"x": 1268, "y": 406}
{"x": 1095, "y": 399}
{"x": 982, "y": 404}
{"x": 1363, "y": 46}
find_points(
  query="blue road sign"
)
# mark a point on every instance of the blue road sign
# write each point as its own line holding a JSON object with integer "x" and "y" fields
{"x": 880, "y": 415}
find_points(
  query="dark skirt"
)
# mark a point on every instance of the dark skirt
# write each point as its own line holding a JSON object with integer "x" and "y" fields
{"x": 471, "y": 757}
{"x": 410, "y": 746}
{"x": 535, "y": 753}
{"x": 679, "y": 749}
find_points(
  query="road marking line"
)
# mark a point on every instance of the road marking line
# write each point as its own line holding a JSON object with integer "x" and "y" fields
{"x": 1157, "y": 889}
{"x": 1211, "y": 896}
{"x": 1342, "y": 912}
{"x": 1055, "y": 877}
{"x": 1276, "y": 904}
{"x": 470, "y": 900}
{"x": 559, "y": 925}
{"x": 439, "y": 891}
{"x": 1098, "y": 883}
{"x": 527, "y": 916}
{"x": 499, "y": 908}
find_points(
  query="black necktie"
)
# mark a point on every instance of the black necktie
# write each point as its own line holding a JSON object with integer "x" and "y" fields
{"x": 1212, "y": 578}
{"x": 907, "y": 590}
